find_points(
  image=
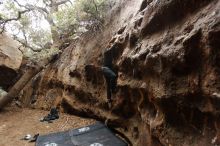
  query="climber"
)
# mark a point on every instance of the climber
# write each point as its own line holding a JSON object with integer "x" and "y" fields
{"x": 111, "y": 80}
{"x": 110, "y": 76}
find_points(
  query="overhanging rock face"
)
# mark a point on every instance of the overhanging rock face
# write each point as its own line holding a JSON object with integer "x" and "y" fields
{"x": 10, "y": 60}
{"x": 167, "y": 55}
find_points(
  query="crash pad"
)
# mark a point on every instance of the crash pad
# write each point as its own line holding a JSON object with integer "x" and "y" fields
{"x": 92, "y": 135}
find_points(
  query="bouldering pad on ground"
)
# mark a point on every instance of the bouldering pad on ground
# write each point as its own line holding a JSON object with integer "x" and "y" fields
{"x": 93, "y": 135}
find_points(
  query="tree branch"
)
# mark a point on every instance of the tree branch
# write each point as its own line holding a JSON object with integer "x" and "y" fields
{"x": 25, "y": 44}
{"x": 54, "y": 3}
{"x": 19, "y": 4}
{"x": 4, "y": 21}
{"x": 60, "y": 3}
{"x": 32, "y": 7}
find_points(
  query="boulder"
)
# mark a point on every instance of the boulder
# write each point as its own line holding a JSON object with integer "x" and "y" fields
{"x": 10, "y": 60}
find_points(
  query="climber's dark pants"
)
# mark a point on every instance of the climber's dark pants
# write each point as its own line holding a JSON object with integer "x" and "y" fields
{"x": 111, "y": 86}
{"x": 111, "y": 81}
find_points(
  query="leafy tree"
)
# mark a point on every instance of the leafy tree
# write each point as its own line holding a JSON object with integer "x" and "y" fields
{"x": 64, "y": 20}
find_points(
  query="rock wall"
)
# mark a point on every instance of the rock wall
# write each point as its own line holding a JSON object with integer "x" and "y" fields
{"x": 10, "y": 60}
{"x": 167, "y": 56}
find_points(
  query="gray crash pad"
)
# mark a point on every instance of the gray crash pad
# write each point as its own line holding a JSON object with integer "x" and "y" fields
{"x": 93, "y": 135}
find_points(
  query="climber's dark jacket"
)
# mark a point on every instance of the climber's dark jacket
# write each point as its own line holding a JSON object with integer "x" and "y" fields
{"x": 108, "y": 59}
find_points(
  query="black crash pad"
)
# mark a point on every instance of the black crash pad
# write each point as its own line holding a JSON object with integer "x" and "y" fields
{"x": 93, "y": 135}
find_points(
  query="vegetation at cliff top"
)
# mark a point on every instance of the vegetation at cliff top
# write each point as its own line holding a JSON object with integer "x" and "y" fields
{"x": 40, "y": 24}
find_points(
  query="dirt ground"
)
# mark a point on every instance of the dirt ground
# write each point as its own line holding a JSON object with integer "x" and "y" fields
{"x": 15, "y": 123}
